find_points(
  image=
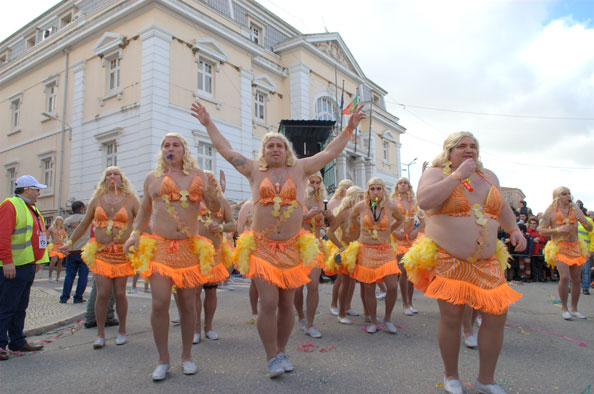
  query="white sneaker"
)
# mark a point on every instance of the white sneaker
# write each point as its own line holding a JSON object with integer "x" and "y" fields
{"x": 390, "y": 327}
{"x": 285, "y": 362}
{"x": 160, "y": 372}
{"x": 478, "y": 321}
{"x": 471, "y": 341}
{"x": 313, "y": 332}
{"x": 413, "y": 309}
{"x": 579, "y": 315}
{"x": 176, "y": 322}
{"x": 344, "y": 320}
{"x": 352, "y": 312}
{"x": 121, "y": 339}
{"x": 566, "y": 315}
{"x": 334, "y": 310}
{"x": 380, "y": 295}
{"x": 189, "y": 367}
{"x": 302, "y": 323}
{"x": 196, "y": 338}
{"x": 453, "y": 386}
{"x": 275, "y": 368}
{"x": 371, "y": 329}
{"x": 407, "y": 311}
{"x": 212, "y": 335}
{"x": 488, "y": 388}
{"x": 99, "y": 343}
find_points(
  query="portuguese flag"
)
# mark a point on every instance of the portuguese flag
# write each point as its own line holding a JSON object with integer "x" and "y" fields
{"x": 349, "y": 108}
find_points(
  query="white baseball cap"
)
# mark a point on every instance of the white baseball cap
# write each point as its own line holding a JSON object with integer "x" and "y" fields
{"x": 29, "y": 181}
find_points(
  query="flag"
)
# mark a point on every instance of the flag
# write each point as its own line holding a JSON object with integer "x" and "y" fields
{"x": 349, "y": 109}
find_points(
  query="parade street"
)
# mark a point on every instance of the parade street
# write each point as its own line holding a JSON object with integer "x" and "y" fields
{"x": 542, "y": 353}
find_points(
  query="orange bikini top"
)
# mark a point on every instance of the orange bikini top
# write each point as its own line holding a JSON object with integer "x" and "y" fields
{"x": 288, "y": 193}
{"x": 170, "y": 188}
{"x": 382, "y": 224}
{"x": 204, "y": 211}
{"x": 560, "y": 219}
{"x": 405, "y": 212}
{"x": 315, "y": 221}
{"x": 457, "y": 204}
{"x": 119, "y": 220}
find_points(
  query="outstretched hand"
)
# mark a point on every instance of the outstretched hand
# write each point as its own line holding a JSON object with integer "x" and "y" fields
{"x": 356, "y": 117}
{"x": 517, "y": 239}
{"x": 199, "y": 112}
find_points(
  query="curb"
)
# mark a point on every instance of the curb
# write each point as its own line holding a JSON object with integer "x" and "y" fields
{"x": 34, "y": 331}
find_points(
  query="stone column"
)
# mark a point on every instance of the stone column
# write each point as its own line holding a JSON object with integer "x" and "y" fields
{"x": 299, "y": 88}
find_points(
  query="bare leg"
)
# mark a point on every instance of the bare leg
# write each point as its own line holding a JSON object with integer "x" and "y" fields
{"x": 187, "y": 314}
{"x": 575, "y": 272}
{"x": 467, "y": 321}
{"x": 285, "y": 319}
{"x": 490, "y": 340}
{"x": 119, "y": 292}
{"x": 336, "y": 291}
{"x": 198, "y": 325}
{"x": 135, "y": 280}
{"x": 313, "y": 297}
{"x": 391, "y": 282}
{"x": 267, "y": 320}
{"x": 364, "y": 298}
{"x": 346, "y": 283}
{"x": 563, "y": 285}
{"x": 403, "y": 281}
{"x": 350, "y": 292}
{"x": 448, "y": 336}
{"x": 299, "y": 303}
{"x": 254, "y": 298}
{"x": 210, "y": 307}
{"x": 58, "y": 268}
{"x": 103, "y": 291}
{"x": 161, "y": 296}
{"x": 52, "y": 265}
{"x": 411, "y": 291}
{"x": 370, "y": 301}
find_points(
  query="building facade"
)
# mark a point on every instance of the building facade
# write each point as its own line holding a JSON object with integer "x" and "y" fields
{"x": 93, "y": 83}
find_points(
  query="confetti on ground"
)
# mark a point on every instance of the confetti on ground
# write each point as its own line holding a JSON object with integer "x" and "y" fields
{"x": 582, "y": 344}
{"x": 309, "y": 347}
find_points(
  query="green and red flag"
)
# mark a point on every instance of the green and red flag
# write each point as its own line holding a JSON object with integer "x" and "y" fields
{"x": 349, "y": 108}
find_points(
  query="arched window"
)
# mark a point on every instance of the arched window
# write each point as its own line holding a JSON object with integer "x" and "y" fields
{"x": 325, "y": 109}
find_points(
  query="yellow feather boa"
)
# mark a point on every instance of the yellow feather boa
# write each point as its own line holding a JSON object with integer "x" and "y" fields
{"x": 50, "y": 247}
{"x": 585, "y": 248}
{"x": 244, "y": 246}
{"x": 141, "y": 258}
{"x": 88, "y": 253}
{"x": 205, "y": 251}
{"x": 550, "y": 252}
{"x": 349, "y": 256}
{"x": 502, "y": 255}
{"x": 308, "y": 248}
{"x": 421, "y": 255}
{"x": 330, "y": 263}
{"x": 227, "y": 255}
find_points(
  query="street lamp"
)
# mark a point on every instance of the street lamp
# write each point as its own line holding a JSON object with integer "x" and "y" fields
{"x": 408, "y": 167}
{"x": 61, "y": 172}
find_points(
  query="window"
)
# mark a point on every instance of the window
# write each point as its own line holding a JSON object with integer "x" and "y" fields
{"x": 15, "y": 113}
{"x": 205, "y": 156}
{"x": 3, "y": 58}
{"x": 11, "y": 174}
{"x": 386, "y": 151}
{"x": 47, "y": 166}
{"x": 65, "y": 19}
{"x": 255, "y": 33}
{"x": 51, "y": 93}
{"x": 31, "y": 41}
{"x": 205, "y": 77}
{"x": 113, "y": 73}
{"x": 111, "y": 153}
{"x": 325, "y": 109}
{"x": 259, "y": 106}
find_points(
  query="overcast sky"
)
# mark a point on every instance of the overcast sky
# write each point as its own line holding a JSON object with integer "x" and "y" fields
{"x": 471, "y": 62}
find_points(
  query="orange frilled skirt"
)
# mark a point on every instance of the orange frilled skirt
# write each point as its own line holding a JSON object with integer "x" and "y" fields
{"x": 570, "y": 253}
{"x": 278, "y": 262}
{"x": 177, "y": 260}
{"x": 401, "y": 246}
{"x": 110, "y": 261}
{"x": 55, "y": 251}
{"x": 219, "y": 273}
{"x": 374, "y": 262}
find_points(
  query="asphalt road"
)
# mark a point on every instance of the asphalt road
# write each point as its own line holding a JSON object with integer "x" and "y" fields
{"x": 541, "y": 354}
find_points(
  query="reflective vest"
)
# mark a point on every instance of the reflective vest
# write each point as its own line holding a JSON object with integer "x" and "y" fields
{"x": 20, "y": 241}
{"x": 583, "y": 234}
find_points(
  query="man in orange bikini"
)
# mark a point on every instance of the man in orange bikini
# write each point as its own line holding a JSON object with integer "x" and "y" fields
{"x": 56, "y": 235}
{"x": 464, "y": 208}
{"x": 375, "y": 217}
{"x": 273, "y": 253}
{"x": 174, "y": 255}
{"x": 564, "y": 250}
{"x": 112, "y": 208}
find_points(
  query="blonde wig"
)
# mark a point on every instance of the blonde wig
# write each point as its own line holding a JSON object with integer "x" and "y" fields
{"x": 104, "y": 188}
{"x": 450, "y": 143}
{"x": 188, "y": 160}
{"x": 349, "y": 200}
{"x": 410, "y": 193}
{"x": 321, "y": 194}
{"x": 557, "y": 195}
{"x": 340, "y": 191}
{"x": 55, "y": 222}
{"x": 291, "y": 156}
{"x": 376, "y": 181}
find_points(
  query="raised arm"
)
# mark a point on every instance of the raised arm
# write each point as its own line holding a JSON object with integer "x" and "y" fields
{"x": 435, "y": 189}
{"x": 210, "y": 192}
{"x": 337, "y": 145}
{"x": 221, "y": 144}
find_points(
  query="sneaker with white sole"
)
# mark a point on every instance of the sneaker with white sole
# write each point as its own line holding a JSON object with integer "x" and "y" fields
{"x": 285, "y": 362}
{"x": 352, "y": 312}
{"x": 176, "y": 322}
{"x": 471, "y": 341}
{"x": 371, "y": 329}
{"x": 413, "y": 309}
{"x": 313, "y": 332}
{"x": 196, "y": 338}
{"x": 390, "y": 327}
{"x": 566, "y": 315}
{"x": 99, "y": 343}
{"x": 380, "y": 295}
{"x": 189, "y": 367}
{"x": 488, "y": 388}
{"x": 302, "y": 324}
{"x": 212, "y": 335}
{"x": 452, "y": 386}
{"x": 121, "y": 339}
{"x": 334, "y": 310}
{"x": 275, "y": 368}
{"x": 160, "y": 373}
{"x": 344, "y": 320}
{"x": 579, "y": 315}
{"x": 407, "y": 311}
